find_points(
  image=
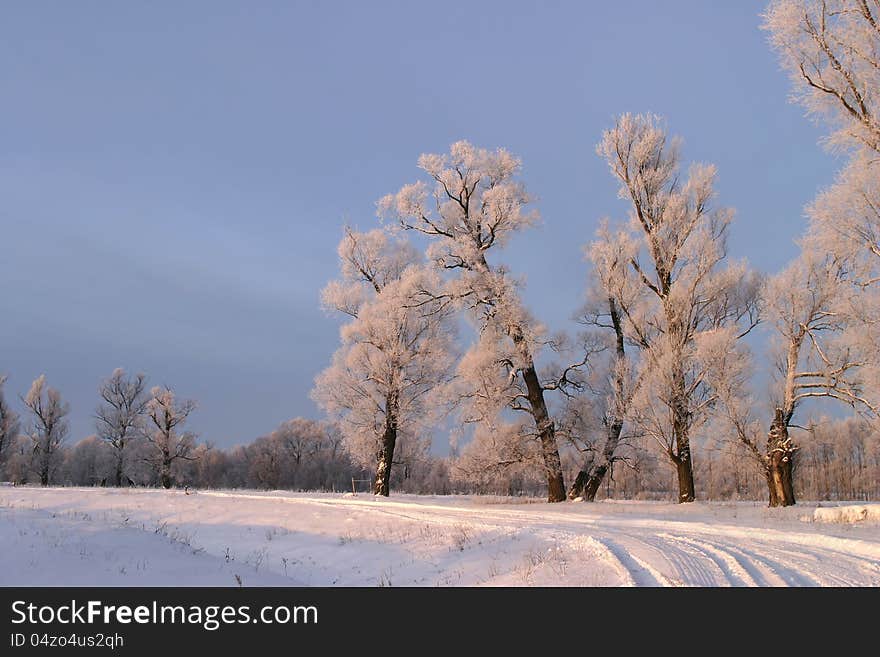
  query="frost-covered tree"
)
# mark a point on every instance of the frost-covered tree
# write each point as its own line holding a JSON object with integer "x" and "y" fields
{"x": 122, "y": 415}
{"x": 48, "y": 427}
{"x": 819, "y": 355}
{"x": 816, "y": 358}
{"x": 679, "y": 300}
{"x": 9, "y": 425}
{"x": 167, "y": 415}
{"x": 384, "y": 384}
{"x": 473, "y": 204}
{"x": 832, "y": 50}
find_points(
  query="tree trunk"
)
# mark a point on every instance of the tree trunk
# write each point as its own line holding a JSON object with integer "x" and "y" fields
{"x": 586, "y": 477}
{"x": 685, "y": 470}
{"x": 544, "y": 425}
{"x": 117, "y": 477}
{"x": 591, "y": 474}
{"x": 594, "y": 480}
{"x": 590, "y": 477}
{"x": 580, "y": 482}
{"x": 684, "y": 465}
{"x": 45, "y": 460}
{"x": 166, "y": 471}
{"x": 386, "y": 449}
{"x": 780, "y": 459}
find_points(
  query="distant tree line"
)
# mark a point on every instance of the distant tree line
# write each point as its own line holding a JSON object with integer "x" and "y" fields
{"x": 136, "y": 446}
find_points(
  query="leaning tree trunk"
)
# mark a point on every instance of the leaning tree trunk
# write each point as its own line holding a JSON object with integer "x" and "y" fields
{"x": 780, "y": 459}
{"x": 580, "y": 481}
{"x": 591, "y": 474}
{"x": 546, "y": 434}
{"x": 386, "y": 449}
{"x": 543, "y": 421}
{"x": 587, "y": 482}
{"x": 538, "y": 407}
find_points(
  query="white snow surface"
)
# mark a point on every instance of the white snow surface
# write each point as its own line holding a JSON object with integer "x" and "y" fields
{"x": 144, "y": 537}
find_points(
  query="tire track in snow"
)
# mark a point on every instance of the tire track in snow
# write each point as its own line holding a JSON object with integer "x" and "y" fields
{"x": 770, "y": 571}
{"x": 690, "y": 566}
{"x": 785, "y": 571}
{"x": 819, "y": 567}
{"x": 732, "y": 569}
{"x": 756, "y": 570}
{"x": 636, "y": 571}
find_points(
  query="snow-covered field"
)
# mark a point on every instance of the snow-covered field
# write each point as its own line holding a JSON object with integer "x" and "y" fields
{"x": 64, "y": 536}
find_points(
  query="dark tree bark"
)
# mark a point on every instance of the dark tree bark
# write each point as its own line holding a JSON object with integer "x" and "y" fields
{"x": 681, "y": 455}
{"x": 594, "y": 481}
{"x": 44, "y": 472}
{"x": 386, "y": 449}
{"x": 588, "y": 480}
{"x": 117, "y": 476}
{"x": 780, "y": 461}
{"x": 167, "y": 480}
{"x": 580, "y": 481}
{"x": 685, "y": 471}
{"x": 591, "y": 474}
{"x": 546, "y": 433}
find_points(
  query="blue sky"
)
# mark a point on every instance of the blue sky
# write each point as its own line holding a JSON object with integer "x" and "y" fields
{"x": 174, "y": 177}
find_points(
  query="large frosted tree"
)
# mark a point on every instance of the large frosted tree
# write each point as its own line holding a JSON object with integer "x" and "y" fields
{"x": 469, "y": 207}
{"x": 385, "y": 383}
{"x": 48, "y": 427}
{"x": 816, "y": 357}
{"x": 677, "y": 296}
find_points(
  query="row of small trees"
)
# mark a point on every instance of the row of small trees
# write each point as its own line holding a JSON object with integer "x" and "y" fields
{"x": 141, "y": 440}
{"x": 132, "y": 423}
{"x": 300, "y": 454}
{"x": 662, "y": 358}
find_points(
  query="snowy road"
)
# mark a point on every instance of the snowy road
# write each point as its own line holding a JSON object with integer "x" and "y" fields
{"x": 146, "y": 537}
